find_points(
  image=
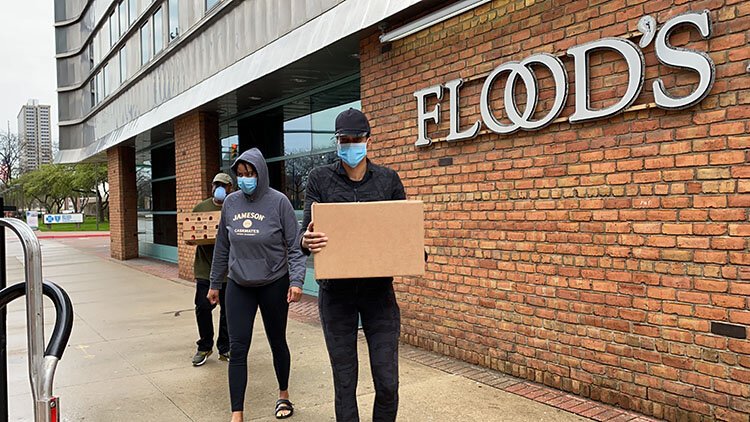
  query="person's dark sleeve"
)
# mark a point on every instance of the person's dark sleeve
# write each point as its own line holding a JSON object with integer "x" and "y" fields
{"x": 220, "y": 262}
{"x": 398, "y": 192}
{"x": 312, "y": 195}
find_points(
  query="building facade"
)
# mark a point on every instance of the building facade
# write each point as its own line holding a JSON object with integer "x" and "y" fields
{"x": 583, "y": 164}
{"x": 34, "y": 136}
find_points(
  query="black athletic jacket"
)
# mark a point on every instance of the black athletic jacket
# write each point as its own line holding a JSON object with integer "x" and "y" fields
{"x": 331, "y": 184}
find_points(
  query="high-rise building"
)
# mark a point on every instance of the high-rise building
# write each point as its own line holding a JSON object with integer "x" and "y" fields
{"x": 34, "y": 136}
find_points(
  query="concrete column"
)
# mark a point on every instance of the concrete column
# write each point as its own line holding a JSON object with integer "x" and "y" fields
{"x": 123, "y": 206}
{"x": 197, "y": 161}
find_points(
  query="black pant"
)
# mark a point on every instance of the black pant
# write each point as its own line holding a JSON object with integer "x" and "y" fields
{"x": 242, "y": 304}
{"x": 340, "y": 304}
{"x": 204, "y": 317}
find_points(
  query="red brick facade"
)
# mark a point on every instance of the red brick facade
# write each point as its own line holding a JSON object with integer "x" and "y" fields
{"x": 123, "y": 207}
{"x": 197, "y": 162}
{"x": 590, "y": 257}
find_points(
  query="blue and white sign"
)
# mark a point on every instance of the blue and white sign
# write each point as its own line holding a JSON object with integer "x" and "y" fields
{"x": 32, "y": 219}
{"x": 63, "y": 218}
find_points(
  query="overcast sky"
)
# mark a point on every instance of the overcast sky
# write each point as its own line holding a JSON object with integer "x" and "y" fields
{"x": 27, "y": 59}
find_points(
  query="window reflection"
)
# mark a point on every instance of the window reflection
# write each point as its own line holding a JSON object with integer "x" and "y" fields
{"x": 295, "y": 138}
{"x": 158, "y": 19}
{"x": 210, "y": 4}
{"x": 122, "y": 10}
{"x": 157, "y": 202}
{"x": 145, "y": 43}
{"x": 174, "y": 19}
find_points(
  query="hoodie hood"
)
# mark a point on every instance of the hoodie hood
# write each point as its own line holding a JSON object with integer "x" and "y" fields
{"x": 255, "y": 157}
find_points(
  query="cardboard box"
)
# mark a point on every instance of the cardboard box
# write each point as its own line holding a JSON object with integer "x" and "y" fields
{"x": 199, "y": 228}
{"x": 370, "y": 239}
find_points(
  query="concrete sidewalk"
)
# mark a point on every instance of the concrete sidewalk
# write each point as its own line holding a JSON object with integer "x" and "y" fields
{"x": 134, "y": 334}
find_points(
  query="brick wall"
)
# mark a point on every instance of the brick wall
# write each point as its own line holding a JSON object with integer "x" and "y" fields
{"x": 123, "y": 207}
{"x": 197, "y": 162}
{"x": 589, "y": 257}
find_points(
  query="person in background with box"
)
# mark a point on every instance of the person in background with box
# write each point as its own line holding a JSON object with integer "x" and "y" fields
{"x": 353, "y": 178}
{"x": 257, "y": 246}
{"x": 220, "y": 188}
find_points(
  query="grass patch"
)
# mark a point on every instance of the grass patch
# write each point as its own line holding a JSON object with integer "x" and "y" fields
{"x": 88, "y": 225}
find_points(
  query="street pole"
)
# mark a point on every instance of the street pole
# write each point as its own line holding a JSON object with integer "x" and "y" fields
{"x": 97, "y": 208}
{"x": 3, "y": 328}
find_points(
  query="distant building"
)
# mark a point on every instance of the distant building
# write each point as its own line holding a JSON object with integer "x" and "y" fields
{"x": 34, "y": 136}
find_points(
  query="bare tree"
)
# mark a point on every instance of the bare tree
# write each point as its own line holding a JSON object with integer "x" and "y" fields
{"x": 10, "y": 157}
{"x": 143, "y": 185}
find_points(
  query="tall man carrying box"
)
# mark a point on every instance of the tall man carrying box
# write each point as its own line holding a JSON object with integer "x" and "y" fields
{"x": 353, "y": 178}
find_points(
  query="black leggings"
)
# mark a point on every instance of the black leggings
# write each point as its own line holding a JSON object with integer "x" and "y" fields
{"x": 242, "y": 304}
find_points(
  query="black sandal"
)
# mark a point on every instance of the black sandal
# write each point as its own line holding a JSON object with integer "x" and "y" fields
{"x": 282, "y": 405}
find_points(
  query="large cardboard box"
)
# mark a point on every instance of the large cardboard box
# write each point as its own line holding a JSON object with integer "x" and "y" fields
{"x": 370, "y": 239}
{"x": 199, "y": 228}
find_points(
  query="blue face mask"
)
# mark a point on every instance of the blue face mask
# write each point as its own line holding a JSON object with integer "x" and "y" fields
{"x": 220, "y": 194}
{"x": 247, "y": 184}
{"x": 352, "y": 154}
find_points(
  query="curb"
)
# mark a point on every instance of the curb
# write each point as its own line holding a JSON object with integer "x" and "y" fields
{"x": 71, "y": 236}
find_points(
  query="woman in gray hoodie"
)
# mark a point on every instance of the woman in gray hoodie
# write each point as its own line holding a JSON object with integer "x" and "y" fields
{"x": 257, "y": 248}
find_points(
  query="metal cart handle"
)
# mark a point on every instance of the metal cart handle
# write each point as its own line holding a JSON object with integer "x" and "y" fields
{"x": 63, "y": 308}
{"x": 41, "y": 365}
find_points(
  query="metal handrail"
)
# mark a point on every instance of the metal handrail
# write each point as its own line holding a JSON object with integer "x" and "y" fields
{"x": 39, "y": 369}
{"x": 58, "y": 340}
{"x": 63, "y": 308}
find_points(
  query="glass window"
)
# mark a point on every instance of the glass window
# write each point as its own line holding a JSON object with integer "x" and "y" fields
{"x": 123, "y": 12}
{"x": 143, "y": 183}
{"x": 123, "y": 64}
{"x": 211, "y": 3}
{"x": 158, "y": 19}
{"x": 298, "y": 136}
{"x": 99, "y": 87}
{"x": 157, "y": 203}
{"x": 174, "y": 19}
{"x": 132, "y": 11}
{"x": 323, "y": 124}
{"x": 145, "y": 201}
{"x": 91, "y": 55}
{"x": 145, "y": 43}
{"x": 229, "y": 150}
{"x": 106, "y": 39}
{"x": 105, "y": 80}
{"x": 92, "y": 88}
{"x": 114, "y": 28}
{"x": 97, "y": 43}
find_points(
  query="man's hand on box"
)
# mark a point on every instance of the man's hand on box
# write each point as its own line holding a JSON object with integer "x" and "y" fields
{"x": 313, "y": 240}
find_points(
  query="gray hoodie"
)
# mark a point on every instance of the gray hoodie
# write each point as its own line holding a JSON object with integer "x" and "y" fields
{"x": 257, "y": 239}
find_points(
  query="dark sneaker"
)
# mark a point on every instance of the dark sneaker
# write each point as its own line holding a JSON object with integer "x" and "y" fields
{"x": 201, "y": 357}
{"x": 224, "y": 356}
